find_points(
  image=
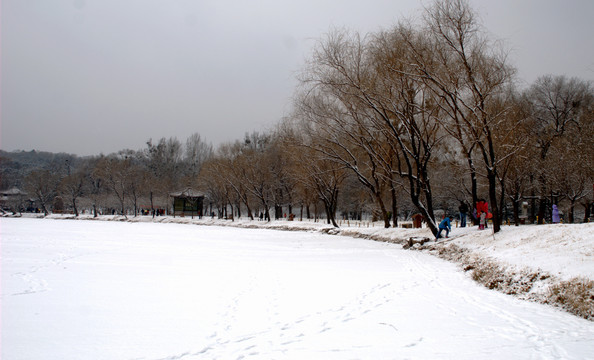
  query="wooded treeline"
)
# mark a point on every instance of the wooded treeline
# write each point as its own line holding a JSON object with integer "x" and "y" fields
{"x": 122, "y": 183}
{"x": 412, "y": 119}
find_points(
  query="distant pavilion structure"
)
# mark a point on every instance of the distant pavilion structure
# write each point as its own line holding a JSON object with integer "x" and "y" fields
{"x": 188, "y": 203}
{"x": 14, "y": 199}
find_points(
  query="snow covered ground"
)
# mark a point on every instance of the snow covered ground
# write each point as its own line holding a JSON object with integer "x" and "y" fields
{"x": 562, "y": 250}
{"x": 144, "y": 290}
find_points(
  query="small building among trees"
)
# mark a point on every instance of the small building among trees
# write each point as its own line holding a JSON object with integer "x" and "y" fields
{"x": 188, "y": 203}
{"x": 12, "y": 200}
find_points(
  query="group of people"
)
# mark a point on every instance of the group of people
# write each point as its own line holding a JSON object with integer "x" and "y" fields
{"x": 481, "y": 212}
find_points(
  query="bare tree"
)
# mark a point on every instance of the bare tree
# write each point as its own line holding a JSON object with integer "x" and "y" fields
{"x": 164, "y": 164}
{"x": 136, "y": 184}
{"x": 311, "y": 169}
{"x": 164, "y": 160}
{"x": 517, "y": 168}
{"x": 197, "y": 152}
{"x": 212, "y": 179}
{"x": 569, "y": 166}
{"x": 468, "y": 73}
{"x": 345, "y": 137}
{"x": 72, "y": 187}
{"x": 227, "y": 168}
{"x": 408, "y": 112}
{"x": 94, "y": 182}
{"x": 555, "y": 105}
{"x": 116, "y": 173}
{"x": 42, "y": 185}
{"x": 351, "y": 101}
{"x": 256, "y": 170}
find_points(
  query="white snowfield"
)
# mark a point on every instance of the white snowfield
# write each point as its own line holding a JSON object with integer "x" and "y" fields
{"x": 126, "y": 290}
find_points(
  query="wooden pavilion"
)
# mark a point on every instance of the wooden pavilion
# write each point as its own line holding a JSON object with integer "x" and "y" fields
{"x": 188, "y": 203}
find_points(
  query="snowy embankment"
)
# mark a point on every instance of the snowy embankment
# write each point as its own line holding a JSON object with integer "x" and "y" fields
{"x": 551, "y": 264}
{"x": 144, "y": 290}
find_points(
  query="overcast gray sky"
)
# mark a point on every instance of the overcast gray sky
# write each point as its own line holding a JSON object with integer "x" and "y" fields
{"x": 97, "y": 76}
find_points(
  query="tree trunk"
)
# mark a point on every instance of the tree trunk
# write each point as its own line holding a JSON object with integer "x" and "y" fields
{"x": 586, "y": 211}
{"x": 380, "y": 202}
{"x": 543, "y": 202}
{"x": 394, "y": 207}
{"x": 330, "y": 203}
{"x": 74, "y": 206}
{"x": 516, "y": 205}
{"x": 502, "y": 202}
{"x": 330, "y": 214}
{"x": 249, "y": 210}
{"x": 492, "y": 177}
{"x": 429, "y": 218}
{"x": 473, "y": 188}
{"x": 571, "y": 211}
{"x": 152, "y": 205}
{"x": 238, "y": 206}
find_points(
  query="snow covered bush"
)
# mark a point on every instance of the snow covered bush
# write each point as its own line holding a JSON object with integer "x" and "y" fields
{"x": 489, "y": 274}
{"x": 509, "y": 281}
{"x": 575, "y": 296}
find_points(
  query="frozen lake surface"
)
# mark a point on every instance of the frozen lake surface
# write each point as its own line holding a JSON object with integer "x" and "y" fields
{"x": 118, "y": 290}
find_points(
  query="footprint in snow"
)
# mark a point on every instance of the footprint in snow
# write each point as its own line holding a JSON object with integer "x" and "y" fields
{"x": 414, "y": 343}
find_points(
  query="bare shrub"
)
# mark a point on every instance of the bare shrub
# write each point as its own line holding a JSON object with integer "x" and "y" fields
{"x": 575, "y": 296}
{"x": 489, "y": 274}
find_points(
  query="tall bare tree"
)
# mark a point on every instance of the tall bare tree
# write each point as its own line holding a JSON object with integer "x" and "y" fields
{"x": 311, "y": 169}
{"x": 42, "y": 185}
{"x": 197, "y": 152}
{"x": 72, "y": 187}
{"x": 555, "y": 105}
{"x": 227, "y": 168}
{"x": 367, "y": 123}
{"x": 116, "y": 173}
{"x": 469, "y": 73}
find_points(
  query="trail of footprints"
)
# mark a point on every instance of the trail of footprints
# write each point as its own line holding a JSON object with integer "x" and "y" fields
{"x": 280, "y": 335}
{"x": 35, "y": 283}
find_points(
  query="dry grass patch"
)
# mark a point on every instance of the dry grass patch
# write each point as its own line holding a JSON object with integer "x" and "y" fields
{"x": 575, "y": 296}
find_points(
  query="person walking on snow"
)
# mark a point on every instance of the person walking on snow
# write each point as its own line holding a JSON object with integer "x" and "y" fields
{"x": 446, "y": 225}
{"x": 463, "y": 208}
{"x": 556, "y": 218}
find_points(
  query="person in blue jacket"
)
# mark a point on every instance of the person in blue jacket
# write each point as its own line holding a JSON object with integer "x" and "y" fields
{"x": 446, "y": 225}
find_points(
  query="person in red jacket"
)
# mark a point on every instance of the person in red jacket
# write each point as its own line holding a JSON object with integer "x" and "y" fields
{"x": 482, "y": 207}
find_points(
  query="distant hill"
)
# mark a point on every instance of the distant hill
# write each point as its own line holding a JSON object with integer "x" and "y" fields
{"x": 15, "y": 165}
